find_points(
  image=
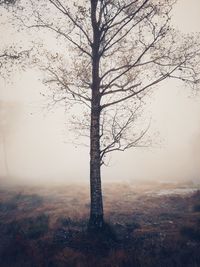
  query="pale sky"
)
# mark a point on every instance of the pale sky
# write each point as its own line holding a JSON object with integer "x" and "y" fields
{"x": 37, "y": 141}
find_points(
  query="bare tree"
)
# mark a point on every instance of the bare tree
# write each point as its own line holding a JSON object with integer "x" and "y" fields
{"x": 10, "y": 57}
{"x": 11, "y": 54}
{"x": 113, "y": 54}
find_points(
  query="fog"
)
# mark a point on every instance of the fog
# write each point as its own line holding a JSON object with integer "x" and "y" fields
{"x": 36, "y": 146}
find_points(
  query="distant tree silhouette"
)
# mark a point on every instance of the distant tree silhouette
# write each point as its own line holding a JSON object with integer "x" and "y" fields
{"x": 9, "y": 111}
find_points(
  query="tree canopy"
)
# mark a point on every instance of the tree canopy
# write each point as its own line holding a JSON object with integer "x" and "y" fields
{"x": 136, "y": 49}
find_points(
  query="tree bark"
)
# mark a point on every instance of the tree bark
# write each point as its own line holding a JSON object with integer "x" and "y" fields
{"x": 96, "y": 212}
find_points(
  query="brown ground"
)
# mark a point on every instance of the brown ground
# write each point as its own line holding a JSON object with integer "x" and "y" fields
{"x": 151, "y": 225}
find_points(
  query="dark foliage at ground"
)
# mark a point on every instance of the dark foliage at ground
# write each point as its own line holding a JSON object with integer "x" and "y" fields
{"x": 161, "y": 231}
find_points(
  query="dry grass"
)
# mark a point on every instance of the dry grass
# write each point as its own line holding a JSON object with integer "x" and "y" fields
{"x": 46, "y": 226}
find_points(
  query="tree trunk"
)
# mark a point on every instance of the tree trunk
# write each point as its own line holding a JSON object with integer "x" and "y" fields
{"x": 96, "y": 212}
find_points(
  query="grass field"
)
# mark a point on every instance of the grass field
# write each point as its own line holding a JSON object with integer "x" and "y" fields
{"x": 151, "y": 225}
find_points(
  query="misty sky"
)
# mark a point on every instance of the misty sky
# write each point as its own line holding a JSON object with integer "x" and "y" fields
{"x": 37, "y": 141}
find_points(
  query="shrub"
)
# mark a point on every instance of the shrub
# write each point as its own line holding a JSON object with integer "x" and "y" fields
{"x": 33, "y": 228}
{"x": 196, "y": 208}
{"x": 190, "y": 233}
